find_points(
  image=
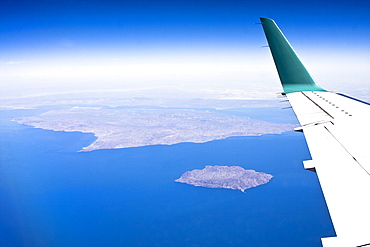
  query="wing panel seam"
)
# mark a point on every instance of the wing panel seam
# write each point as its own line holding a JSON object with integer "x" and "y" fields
{"x": 347, "y": 150}
{"x": 317, "y": 105}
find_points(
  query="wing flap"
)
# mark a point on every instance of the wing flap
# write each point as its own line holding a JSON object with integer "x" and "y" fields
{"x": 335, "y": 145}
{"x": 339, "y": 154}
{"x": 347, "y": 120}
{"x": 345, "y": 186}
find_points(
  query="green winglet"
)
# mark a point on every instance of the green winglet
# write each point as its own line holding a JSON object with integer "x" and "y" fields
{"x": 293, "y": 75}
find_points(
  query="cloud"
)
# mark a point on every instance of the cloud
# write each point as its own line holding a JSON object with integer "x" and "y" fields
{"x": 14, "y": 62}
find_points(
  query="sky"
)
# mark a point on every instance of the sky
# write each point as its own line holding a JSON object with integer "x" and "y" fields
{"x": 216, "y": 47}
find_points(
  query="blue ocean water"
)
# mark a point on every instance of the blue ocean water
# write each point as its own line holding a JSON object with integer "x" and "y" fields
{"x": 52, "y": 195}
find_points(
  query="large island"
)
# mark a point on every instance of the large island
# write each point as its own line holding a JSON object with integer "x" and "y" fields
{"x": 228, "y": 177}
{"x": 123, "y": 128}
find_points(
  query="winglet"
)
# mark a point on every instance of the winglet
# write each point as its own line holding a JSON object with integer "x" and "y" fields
{"x": 293, "y": 75}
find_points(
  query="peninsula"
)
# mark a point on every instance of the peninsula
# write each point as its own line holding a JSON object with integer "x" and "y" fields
{"x": 123, "y": 128}
{"x": 228, "y": 177}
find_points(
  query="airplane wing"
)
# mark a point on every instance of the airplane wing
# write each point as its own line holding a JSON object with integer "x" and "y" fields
{"x": 336, "y": 128}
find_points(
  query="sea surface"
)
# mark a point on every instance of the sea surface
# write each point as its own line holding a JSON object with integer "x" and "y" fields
{"x": 53, "y": 195}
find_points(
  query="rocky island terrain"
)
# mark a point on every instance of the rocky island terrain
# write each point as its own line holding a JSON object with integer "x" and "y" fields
{"x": 228, "y": 177}
{"x": 123, "y": 128}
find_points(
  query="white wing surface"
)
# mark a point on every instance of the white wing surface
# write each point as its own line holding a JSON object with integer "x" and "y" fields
{"x": 336, "y": 128}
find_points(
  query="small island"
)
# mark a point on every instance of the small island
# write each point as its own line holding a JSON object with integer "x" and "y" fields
{"x": 228, "y": 177}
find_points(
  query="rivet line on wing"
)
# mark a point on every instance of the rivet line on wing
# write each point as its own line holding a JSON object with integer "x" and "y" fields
{"x": 332, "y": 104}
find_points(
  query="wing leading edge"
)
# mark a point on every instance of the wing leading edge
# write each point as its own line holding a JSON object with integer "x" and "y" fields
{"x": 337, "y": 135}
